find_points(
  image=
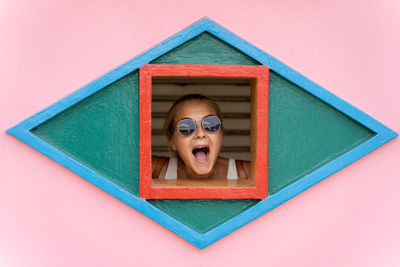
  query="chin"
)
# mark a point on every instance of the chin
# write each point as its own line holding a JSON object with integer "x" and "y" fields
{"x": 200, "y": 161}
{"x": 205, "y": 169}
{"x": 202, "y": 172}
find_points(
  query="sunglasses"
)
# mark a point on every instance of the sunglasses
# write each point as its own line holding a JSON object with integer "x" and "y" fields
{"x": 210, "y": 124}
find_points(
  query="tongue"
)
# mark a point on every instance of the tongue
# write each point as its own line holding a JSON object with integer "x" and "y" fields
{"x": 201, "y": 155}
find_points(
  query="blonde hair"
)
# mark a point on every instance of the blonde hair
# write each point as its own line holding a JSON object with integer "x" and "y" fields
{"x": 169, "y": 124}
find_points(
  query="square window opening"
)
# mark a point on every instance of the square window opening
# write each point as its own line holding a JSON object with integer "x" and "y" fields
{"x": 238, "y": 92}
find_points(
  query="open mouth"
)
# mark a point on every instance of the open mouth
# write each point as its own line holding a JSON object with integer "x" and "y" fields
{"x": 201, "y": 153}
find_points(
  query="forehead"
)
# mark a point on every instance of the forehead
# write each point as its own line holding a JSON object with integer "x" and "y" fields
{"x": 194, "y": 109}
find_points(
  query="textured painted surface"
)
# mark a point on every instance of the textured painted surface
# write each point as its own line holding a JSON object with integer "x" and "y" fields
{"x": 305, "y": 133}
{"x": 207, "y": 213}
{"x": 102, "y": 132}
{"x": 205, "y": 49}
{"x": 49, "y": 215}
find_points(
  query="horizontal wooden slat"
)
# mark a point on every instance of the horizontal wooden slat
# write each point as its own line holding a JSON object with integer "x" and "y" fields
{"x": 218, "y": 98}
{"x": 226, "y": 107}
{"x": 157, "y": 115}
{"x": 236, "y": 155}
{"x": 199, "y": 80}
{"x": 205, "y": 89}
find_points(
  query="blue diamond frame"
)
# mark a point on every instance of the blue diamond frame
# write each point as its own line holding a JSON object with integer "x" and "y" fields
{"x": 383, "y": 134}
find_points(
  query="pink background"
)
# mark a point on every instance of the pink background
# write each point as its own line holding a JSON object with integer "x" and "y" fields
{"x": 52, "y": 217}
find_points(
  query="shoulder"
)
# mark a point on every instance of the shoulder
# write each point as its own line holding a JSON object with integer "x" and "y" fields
{"x": 159, "y": 166}
{"x": 155, "y": 159}
{"x": 243, "y": 168}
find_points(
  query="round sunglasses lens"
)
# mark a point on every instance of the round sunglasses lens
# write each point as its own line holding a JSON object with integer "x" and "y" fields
{"x": 186, "y": 127}
{"x": 211, "y": 124}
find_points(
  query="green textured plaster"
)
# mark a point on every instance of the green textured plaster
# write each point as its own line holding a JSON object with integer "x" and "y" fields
{"x": 304, "y": 133}
{"x": 205, "y": 49}
{"x": 102, "y": 132}
{"x": 203, "y": 215}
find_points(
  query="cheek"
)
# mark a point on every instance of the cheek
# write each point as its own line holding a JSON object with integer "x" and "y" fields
{"x": 178, "y": 143}
{"x": 217, "y": 139}
{"x": 174, "y": 142}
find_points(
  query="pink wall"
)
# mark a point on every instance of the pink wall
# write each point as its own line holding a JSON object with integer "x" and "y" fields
{"x": 52, "y": 217}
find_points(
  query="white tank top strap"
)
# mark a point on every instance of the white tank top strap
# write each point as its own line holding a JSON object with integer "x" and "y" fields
{"x": 172, "y": 169}
{"x": 232, "y": 171}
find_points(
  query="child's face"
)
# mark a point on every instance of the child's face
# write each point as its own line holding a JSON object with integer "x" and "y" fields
{"x": 200, "y": 150}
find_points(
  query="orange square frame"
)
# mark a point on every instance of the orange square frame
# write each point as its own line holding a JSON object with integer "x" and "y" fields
{"x": 257, "y": 186}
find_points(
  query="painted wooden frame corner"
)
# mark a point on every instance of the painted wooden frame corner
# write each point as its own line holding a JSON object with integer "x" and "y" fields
{"x": 238, "y": 190}
{"x": 383, "y": 134}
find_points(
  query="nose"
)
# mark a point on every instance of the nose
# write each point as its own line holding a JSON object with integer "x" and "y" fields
{"x": 199, "y": 133}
